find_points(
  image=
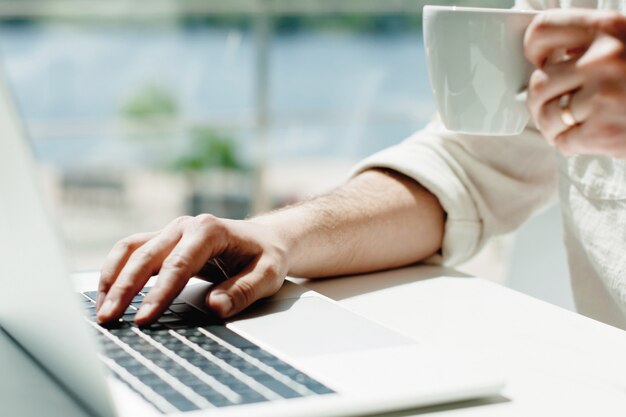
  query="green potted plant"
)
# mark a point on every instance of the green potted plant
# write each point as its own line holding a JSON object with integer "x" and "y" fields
{"x": 216, "y": 181}
{"x": 219, "y": 182}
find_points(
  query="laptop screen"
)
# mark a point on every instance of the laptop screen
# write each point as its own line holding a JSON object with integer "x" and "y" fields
{"x": 37, "y": 303}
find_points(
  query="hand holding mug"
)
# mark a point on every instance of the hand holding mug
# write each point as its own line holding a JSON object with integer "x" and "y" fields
{"x": 477, "y": 68}
{"x": 577, "y": 94}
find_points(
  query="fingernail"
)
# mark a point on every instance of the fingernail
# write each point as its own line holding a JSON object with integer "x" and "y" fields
{"x": 106, "y": 310}
{"x": 145, "y": 311}
{"x": 223, "y": 301}
{"x": 100, "y": 299}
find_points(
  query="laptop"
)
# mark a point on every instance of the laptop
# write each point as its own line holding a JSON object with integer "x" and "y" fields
{"x": 297, "y": 353}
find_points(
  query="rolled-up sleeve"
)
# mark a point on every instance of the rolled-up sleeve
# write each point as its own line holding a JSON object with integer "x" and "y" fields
{"x": 488, "y": 185}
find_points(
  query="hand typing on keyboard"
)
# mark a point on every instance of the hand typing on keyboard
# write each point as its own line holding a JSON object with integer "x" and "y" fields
{"x": 375, "y": 221}
{"x": 252, "y": 255}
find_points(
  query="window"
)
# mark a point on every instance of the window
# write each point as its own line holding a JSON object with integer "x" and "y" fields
{"x": 141, "y": 111}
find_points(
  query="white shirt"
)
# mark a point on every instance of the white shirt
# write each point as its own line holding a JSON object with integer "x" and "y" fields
{"x": 490, "y": 185}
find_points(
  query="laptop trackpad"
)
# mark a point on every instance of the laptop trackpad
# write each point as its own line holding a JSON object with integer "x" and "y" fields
{"x": 311, "y": 326}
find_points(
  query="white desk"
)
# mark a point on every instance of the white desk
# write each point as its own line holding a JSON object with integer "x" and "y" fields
{"x": 557, "y": 363}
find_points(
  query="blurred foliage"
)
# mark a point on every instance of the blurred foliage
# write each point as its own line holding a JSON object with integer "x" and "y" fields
{"x": 359, "y": 23}
{"x": 291, "y": 24}
{"x": 209, "y": 149}
{"x": 334, "y": 18}
{"x": 348, "y": 21}
{"x": 151, "y": 102}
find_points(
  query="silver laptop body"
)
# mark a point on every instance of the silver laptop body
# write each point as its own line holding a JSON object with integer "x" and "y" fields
{"x": 363, "y": 367}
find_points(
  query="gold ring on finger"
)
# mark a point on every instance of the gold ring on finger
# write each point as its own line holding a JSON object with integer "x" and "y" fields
{"x": 567, "y": 117}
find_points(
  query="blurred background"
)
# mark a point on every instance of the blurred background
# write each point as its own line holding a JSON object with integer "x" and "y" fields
{"x": 140, "y": 111}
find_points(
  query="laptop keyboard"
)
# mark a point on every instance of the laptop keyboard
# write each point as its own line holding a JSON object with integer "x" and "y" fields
{"x": 186, "y": 361}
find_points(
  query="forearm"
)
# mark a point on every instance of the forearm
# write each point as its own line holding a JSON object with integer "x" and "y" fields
{"x": 378, "y": 220}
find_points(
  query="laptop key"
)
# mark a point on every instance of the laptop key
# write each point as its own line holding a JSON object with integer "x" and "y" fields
{"x": 151, "y": 379}
{"x": 318, "y": 388}
{"x": 281, "y": 389}
{"x": 139, "y": 371}
{"x": 238, "y": 386}
{"x": 214, "y": 398}
{"x": 116, "y": 354}
{"x": 256, "y": 352}
{"x": 129, "y": 317}
{"x": 131, "y": 309}
{"x": 171, "y": 319}
{"x": 171, "y": 345}
{"x": 256, "y": 373}
{"x": 196, "y": 337}
{"x": 251, "y": 396}
{"x": 116, "y": 325}
{"x": 121, "y": 331}
{"x": 177, "y": 301}
{"x": 177, "y": 400}
{"x": 154, "y": 328}
{"x": 198, "y": 360}
{"x": 91, "y": 294}
{"x": 220, "y": 368}
{"x": 227, "y": 335}
{"x": 181, "y": 308}
{"x": 185, "y": 351}
{"x": 198, "y": 318}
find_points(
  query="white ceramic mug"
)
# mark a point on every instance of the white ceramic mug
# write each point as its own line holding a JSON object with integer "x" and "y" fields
{"x": 478, "y": 72}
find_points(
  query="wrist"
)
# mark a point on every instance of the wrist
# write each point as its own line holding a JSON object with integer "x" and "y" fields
{"x": 287, "y": 229}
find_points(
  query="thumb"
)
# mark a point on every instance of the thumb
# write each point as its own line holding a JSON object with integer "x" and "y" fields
{"x": 235, "y": 294}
